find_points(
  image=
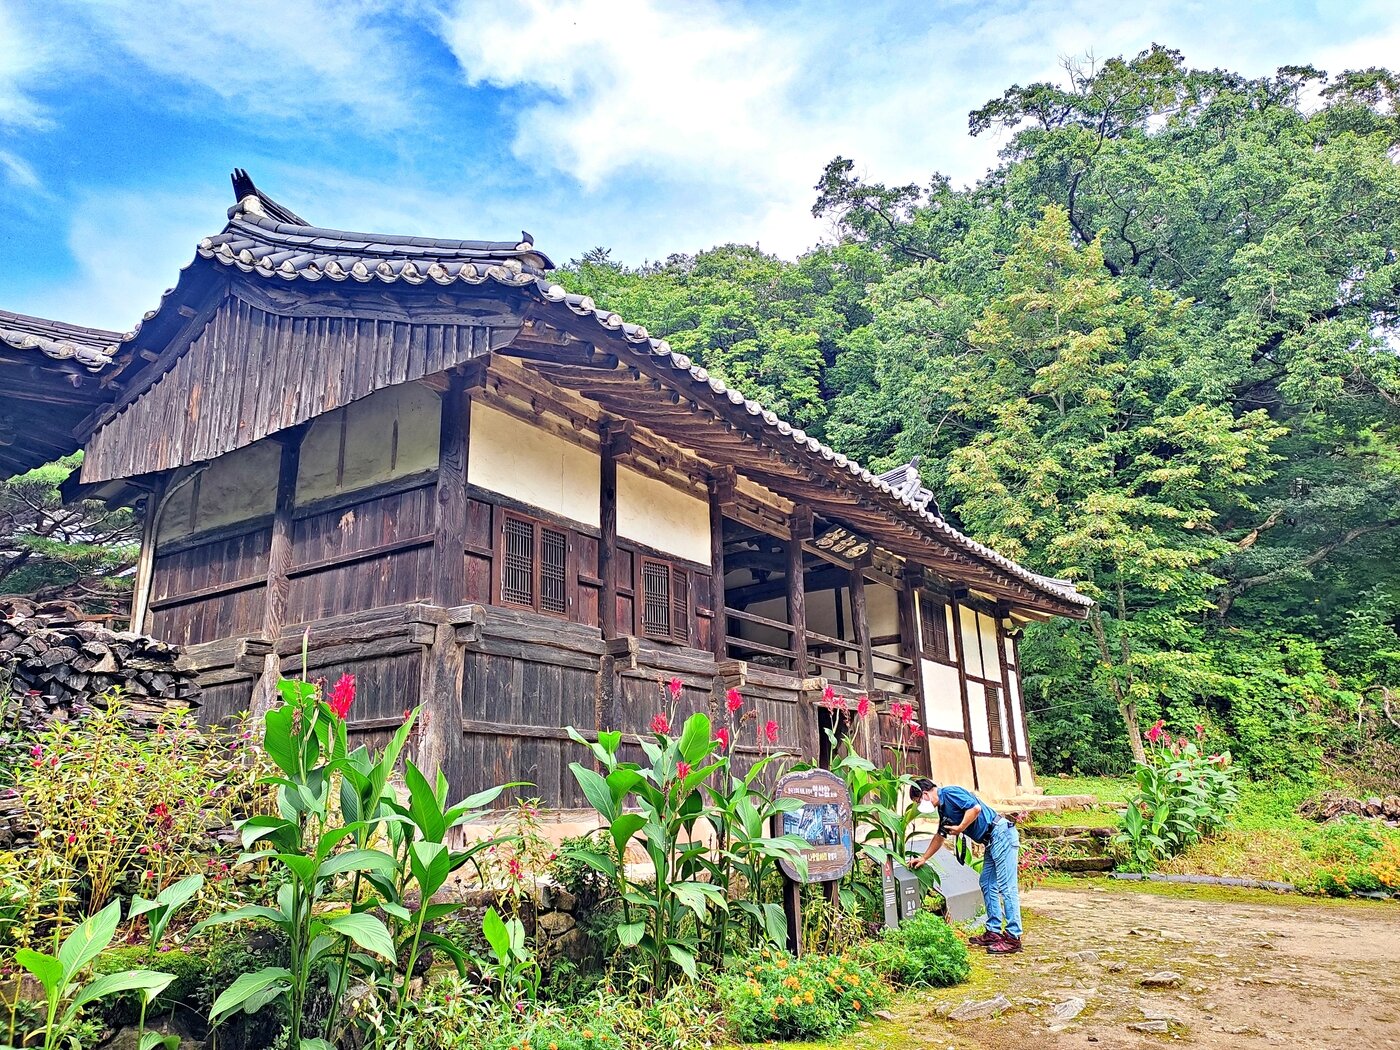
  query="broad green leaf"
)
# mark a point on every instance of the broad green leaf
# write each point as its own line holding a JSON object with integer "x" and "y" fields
{"x": 623, "y": 828}
{"x": 684, "y": 958}
{"x": 150, "y": 983}
{"x": 629, "y": 934}
{"x": 423, "y": 805}
{"x": 366, "y": 931}
{"x": 493, "y": 928}
{"x": 154, "y": 1040}
{"x": 279, "y": 740}
{"x": 245, "y": 987}
{"x": 46, "y": 968}
{"x": 248, "y": 911}
{"x": 89, "y": 939}
{"x": 357, "y": 860}
{"x": 696, "y": 740}
{"x": 596, "y": 790}
{"x": 431, "y": 865}
{"x": 178, "y": 894}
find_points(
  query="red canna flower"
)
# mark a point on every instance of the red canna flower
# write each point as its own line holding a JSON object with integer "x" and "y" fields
{"x": 722, "y": 735}
{"x": 515, "y": 868}
{"x": 1155, "y": 733}
{"x": 733, "y": 701}
{"x": 863, "y": 706}
{"x": 770, "y": 730}
{"x": 675, "y": 686}
{"x": 682, "y": 769}
{"x": 1200, "y": 731}
{"x": 828, "y": 695}
{"x": 342, "y": 696}
{"x": 660, "y": 724}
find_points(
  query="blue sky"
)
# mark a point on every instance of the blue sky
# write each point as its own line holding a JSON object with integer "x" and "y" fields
{"x": 648, "y": 126}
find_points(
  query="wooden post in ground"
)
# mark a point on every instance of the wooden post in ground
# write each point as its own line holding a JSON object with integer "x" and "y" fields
{"x": 801, "y": 528}
{"x": 279, "y": 561}
{"x": 440, "y": 702}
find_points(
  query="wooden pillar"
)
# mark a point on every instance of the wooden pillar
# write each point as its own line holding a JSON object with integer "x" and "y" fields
{"x": 800, "y": 527}
{"x": 607, "y": 531}
{"x": 860, "y": 623}
{"x": 146, "y": 561}
{"x": 440, "y": 700}
{"x": 450, "y": 499}
{"x": 957, "y": 636}
{"x": 910, "y": 643}
{"x": 279, "y": 561}
{"x": 719, "y": 624}
{"x": 1007, "y": 704}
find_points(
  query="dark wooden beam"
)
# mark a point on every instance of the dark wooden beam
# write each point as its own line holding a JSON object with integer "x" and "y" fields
{"x": 910, "y": 646}
{"x": 801, "y": 525}
{"x": 1007, "y": 703}
{"x": 607, "y": 539}
{"x": 719, "y": 623}
{"x": 449, "y": 585}
{"x": 860, "y": 623}
{"x": 279, "y": 561}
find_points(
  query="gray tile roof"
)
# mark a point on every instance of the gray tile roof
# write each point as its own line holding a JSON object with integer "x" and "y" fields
{"x": 258, "y": 240}
{"x": 92, "y": 348}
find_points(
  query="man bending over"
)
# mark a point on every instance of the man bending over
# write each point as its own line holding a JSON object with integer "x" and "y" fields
{"x": 960, "y": 812}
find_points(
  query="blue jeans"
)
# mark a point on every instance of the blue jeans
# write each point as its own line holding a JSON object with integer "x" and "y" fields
{"x": 1000, "y": 870}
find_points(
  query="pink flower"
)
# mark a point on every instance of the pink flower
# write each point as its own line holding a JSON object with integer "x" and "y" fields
{"x": 828, "y": 695}
{"x": 915, "y": 732}
{"x": 660, "y": 725}
{"x": 682, "y": 769}
{"x": 342, "y": 696}
{"x": 770, "y": 730}
{"x": 1155, "y": 733}
{"x": 1200, "y": 731}
{"x": 733, "y": 701}
{"x": 407, "y": 713}
{"x": 675, "y": 686}
{"x": 515, "y": 868}
{"x": 863, "y": 706}
{"x": 37, "y": 751}
{"x": 722, "y": 735}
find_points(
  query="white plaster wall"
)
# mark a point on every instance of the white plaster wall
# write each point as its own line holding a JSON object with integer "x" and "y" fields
{"x": 389, "y": 434}
{"x": 987, "y": 635}
{"x": 969, "y": 641}
{"x": 1019, "y": 715}
{"x": 526, "y": 463}
{"x": 233, "y": 488}
{"x": 942, "y": 697}
{"x": 662, "y": 517}
{"x": 977, "y": 712}
{"x": 882, "y": 607}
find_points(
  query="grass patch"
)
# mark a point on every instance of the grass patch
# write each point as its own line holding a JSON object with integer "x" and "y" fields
{"x": 1110, "y": 791}
{"x": 1095, "y": 817}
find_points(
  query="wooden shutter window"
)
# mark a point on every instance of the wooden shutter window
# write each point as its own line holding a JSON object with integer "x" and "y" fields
{"x": 994, "y": 718}
{"x": 518, "y": 568}
{"x": 933, "y": 624}
{"x": 656, "y": 598}
{"x": 680, "y": 605}
{"x": 554, "y": 554}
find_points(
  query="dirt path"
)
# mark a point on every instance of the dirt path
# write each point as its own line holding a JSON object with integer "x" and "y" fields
{"x": 1257, "y": 970}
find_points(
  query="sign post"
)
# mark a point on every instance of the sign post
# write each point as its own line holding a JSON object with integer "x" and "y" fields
{"x": 827, "y": 824}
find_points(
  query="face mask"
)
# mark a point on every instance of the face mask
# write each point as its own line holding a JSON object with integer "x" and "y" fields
{"x": 927, "y": 808}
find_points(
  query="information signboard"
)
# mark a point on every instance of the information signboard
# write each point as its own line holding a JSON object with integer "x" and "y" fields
{"x": 825, "y": 821}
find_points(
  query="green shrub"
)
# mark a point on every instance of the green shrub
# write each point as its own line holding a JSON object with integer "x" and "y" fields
{"x": 815, "y": 997}
{"x": 922, "y": 951}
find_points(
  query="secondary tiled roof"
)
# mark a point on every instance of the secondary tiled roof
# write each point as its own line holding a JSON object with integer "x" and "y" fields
{"x": 259, "y": 239}
{"x": 90, "y": 347}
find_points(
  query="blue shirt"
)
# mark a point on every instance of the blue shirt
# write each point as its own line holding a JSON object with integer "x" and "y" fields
{"x": 953, "y": 804}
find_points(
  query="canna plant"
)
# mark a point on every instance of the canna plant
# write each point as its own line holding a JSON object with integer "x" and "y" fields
{"x": 681, "y": 910}
{"x": 1182, "y": 795}
{"x": 306, "y": 739}
{"x": 59, "y": 975}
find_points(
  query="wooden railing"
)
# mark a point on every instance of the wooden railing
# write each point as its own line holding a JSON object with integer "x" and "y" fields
{"x": 739, "y": 648}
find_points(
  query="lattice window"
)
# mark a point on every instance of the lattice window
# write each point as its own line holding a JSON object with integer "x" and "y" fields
{"x": 518, "y": 570}
{"x": 656, "y": 598}
{"x": 933, "y": 622}
{"x": 994, "y": 729}
{"x": 554, "y": 548}
{"x": 680, "y": 605}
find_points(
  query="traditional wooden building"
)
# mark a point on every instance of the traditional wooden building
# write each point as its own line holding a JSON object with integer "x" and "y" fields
{"x": 497, "y": 499}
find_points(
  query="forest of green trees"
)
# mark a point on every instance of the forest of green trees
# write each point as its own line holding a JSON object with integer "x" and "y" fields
{"x": 1153, "y": 350}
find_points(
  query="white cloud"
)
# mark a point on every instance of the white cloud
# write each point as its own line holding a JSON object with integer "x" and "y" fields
{"x": 739, "y": 107}
{"x": 304, "y": 61}
{"x": 22, "y": 60}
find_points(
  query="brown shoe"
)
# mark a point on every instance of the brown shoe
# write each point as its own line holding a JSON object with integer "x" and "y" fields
{"x": 983, "y": 940}
{"x": 1005, "y": 945}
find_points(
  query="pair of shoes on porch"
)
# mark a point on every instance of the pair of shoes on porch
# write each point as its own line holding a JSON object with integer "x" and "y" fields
{"x": 1005, "y": 944}
{"x": 984, "y": 939}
